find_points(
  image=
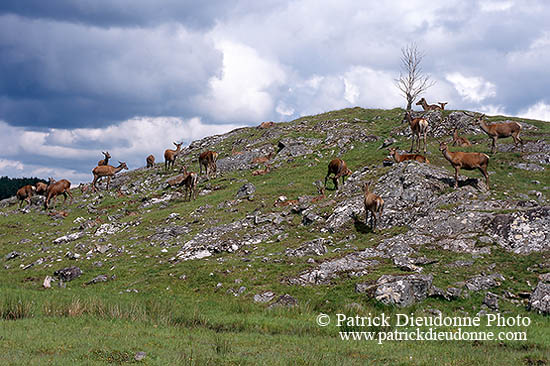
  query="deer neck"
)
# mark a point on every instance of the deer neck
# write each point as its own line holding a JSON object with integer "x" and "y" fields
{"x": 448, "y": 155}
{"x": 118, "y": 169}
{"x": 484, "y": 127}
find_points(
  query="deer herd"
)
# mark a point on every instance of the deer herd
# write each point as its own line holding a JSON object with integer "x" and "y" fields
{"x": 373, "y": 203}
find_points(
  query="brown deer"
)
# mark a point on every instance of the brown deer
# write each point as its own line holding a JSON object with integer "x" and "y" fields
{"x": 171, "y": 155}
{"x": 461, "y": 141}
{"x": 419, "y": 126}
{"x": 431, "y": 107}
{"x": 108, "y": 171}
{"x": 190, "y": 180}
{"x": 499, "y": 130}
{"x": 106, "y": 160}
{"x": 41, "y": 188}
{"x": 208, "y": 160}
{"x": 262, "y": 159}
{"x": 466, "y": 160}
{"x": 262, "y": 171}
{"x": 150, "y": 161}
{"x": 403, "y": 157}
{"x": 373, "y": 204}
{"x": 339, "y": 168}
{"x": 25, "y": 193}
{"x": 55, "y": 188}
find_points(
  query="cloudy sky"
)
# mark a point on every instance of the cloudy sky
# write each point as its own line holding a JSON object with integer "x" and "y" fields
{"x": 131, "y": 76}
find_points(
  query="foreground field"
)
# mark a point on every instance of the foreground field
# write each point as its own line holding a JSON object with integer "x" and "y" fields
{"x": 230, "y": 280}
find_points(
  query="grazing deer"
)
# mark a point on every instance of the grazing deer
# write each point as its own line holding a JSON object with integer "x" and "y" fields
{"x": 106, "y": 160}
{"x": 55, "y": 188}
{"x": 499, "y": 130}
{"x": 108, "y": 171}
{"x": 208, "y": 160}
{"x": 466, "y": 160}
{"x": 262, "y": 159}
{"x": 190, "y": 180}
{"x": 419, "y": 126}
{"x": 25, "y": 193}
{"x": 403, "y": 157}
{"x": 431, "y": 107}
{"x": 150, "y": 161}
{"x": 373, "y": 204}
{"x": 339, "y": 168}
{"x": 461, "y": 141}
{"x": 171, "y": 155}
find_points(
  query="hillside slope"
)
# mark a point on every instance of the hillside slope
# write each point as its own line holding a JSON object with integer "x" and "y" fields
{"x": 261, "y": 255}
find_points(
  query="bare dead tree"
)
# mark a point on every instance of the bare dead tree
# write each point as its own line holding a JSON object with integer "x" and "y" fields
{"x": 412, "y": 81}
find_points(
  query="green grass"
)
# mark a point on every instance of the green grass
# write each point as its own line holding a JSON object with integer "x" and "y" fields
{"x": 192, "y": 321}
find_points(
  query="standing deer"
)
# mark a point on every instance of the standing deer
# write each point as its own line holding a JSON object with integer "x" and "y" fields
{"x": 108, "y": 171}
{"x": 431, "y": 107}
{"x": 419, "y": 126}
{"x": 150, "y": 161}
{"x": 339, "y": 168}
{"x": 466, "y": 160}
{"x": 461, "y": 141}
{"x": 41, "y": 188}
{"x": 499, "y": 130}
{"x": 171, "y": 155}
{"x": 56, "y": 188}
{"x": 106, "y": 160}
{"x": 373, "y": 204}
{"x": 208, "y": 160}
{"x": 189, "y": 180}
{"x": 25, "y": 193}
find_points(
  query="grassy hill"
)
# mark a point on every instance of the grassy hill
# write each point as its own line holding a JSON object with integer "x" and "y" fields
{"x": 185, "y": 282}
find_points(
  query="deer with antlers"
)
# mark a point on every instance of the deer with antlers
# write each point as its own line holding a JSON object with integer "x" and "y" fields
{"x": 431, "y": 107}
{"x": 466, "y": 160}
{"x": 104, "y": 161}
{"x": 171, "y": 155}
{"x": 461, "y": 141}
{"x": 419, "y": 126}
{"x": 55, "y": 188}
{"x": 373, "y": 204}
{"x": 108, "y": 171}
{"x": 499, "y": 130}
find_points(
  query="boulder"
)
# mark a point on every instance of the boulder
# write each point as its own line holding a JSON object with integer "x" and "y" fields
{"x": 68, "y": 274}
{"x": 403, "y": 291}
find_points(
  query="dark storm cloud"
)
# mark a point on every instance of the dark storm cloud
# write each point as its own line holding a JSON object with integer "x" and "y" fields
{"x": 67, "y": 75}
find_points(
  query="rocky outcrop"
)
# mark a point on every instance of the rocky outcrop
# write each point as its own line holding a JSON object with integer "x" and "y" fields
{"x": 403, "y": 291}
{"x": 68, "y": 274}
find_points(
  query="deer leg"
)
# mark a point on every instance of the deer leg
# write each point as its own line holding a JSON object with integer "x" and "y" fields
{"x": 494, "y": 146}
{"x": 456, "y": 177}
{"x": 425, "y": 132}
{"x": 108, "y": 182}
{"x": 70, "y": 195}
{"x": 326, "y": 177}
{"x": 65, "y": 197}
{"x": 483, "y": 171}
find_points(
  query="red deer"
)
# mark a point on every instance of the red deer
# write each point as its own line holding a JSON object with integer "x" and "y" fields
{"x": 106, "y": 160}
{"x": 373, "y": 204}
{"x": 189, "y": 180}
{"x": 262, "y": 171}
{"x": 339, "y": 168}
{"x": 150, "y": 161}
{"x": 208, "y": 160}
{"x": 499, "y": 130}
{"x": 262, "y": 159}
{"x": 25, "y": 193}
{"x": 431, "y": 107}
{"x": 461, "y": 141}
{"x": 466, "y": 160}
{"x": 419, "y": 126}
{"x": 41, "y": 188}
{"x": 62, "y": 186}
{"x": 403, "y": 157}
{"x": 171, "y": 155}
{"x": 108, "y": 171}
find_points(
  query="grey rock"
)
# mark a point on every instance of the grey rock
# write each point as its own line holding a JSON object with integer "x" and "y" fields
{"x": 245, "y": 191}
{"x": 315, "y": 247}
{"x": 403, "y": 291}
{"x": 139, "y": 356}
{"x": 264, "y": 297}
{"x": 68, "y": 274}
{"x": 491, "y": 300}
{"x": 284, "y": 300}
{"x": 539, "y": 300}
{"x": 98, "y": 279}
{"x": 12, "y": 255}
{"x": 484, "y": 282}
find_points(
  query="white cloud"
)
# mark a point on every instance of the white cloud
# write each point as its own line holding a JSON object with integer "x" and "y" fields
{"x": 242, "y": 91}
{"x": 473, "y": 88}
{"x": 496, "y": 6}
{"x": 13, "y": 164}
{"x": 540, "y": 111}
